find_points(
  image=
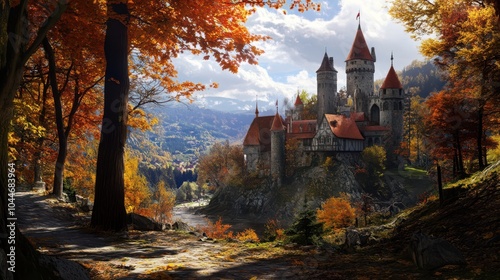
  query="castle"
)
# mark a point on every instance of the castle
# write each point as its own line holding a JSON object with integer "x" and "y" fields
{"x": 346, "y": 122}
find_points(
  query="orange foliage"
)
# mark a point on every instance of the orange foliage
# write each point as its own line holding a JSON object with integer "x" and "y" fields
{"x": 274, "y": 231}
{"x": 337, "y": 213}
{"x": 217, "y": 230}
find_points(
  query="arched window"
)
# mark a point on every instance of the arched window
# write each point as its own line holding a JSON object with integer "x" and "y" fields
{"x": 375, "y": 114}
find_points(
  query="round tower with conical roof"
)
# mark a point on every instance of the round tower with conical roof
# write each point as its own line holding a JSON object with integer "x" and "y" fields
{"x": 392, "y": 97}
{"x": 277, "y": 149}
{"x": 326, "y": 79}
{"x": 360, "y": 68}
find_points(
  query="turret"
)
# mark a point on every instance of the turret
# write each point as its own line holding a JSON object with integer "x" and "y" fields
{"x": 392, "y": 97}
{"x": 277, "y": 149}
{"x": 299, "y": 108}
{"x": 326, "y": 78}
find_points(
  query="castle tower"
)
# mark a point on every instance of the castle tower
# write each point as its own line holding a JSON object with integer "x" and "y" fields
{"x": 360, "y": 66}
{"x": 277, "y": 149}
{"x": 299, "y": 108}
{"x": 391, "y": 113}
{"x": 326, "y": 79}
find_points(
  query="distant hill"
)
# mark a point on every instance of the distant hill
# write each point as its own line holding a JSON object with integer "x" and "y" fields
{"x": 185, "y": 131}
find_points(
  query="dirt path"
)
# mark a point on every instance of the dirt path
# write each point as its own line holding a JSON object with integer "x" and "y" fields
{"x": 55, "y": 230}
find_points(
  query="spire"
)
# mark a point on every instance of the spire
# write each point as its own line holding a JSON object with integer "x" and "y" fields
{"x": 359, "y": 49}
{"x": 256, "y": 107}
{"x": 277, "y": 123}
{"x": 391, "y": 80}
{"x": 326, "y": 65}
{"x": 298, "y": 101}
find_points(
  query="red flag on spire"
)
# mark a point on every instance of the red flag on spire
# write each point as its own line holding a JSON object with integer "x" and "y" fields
{"x": 357, "y": 16}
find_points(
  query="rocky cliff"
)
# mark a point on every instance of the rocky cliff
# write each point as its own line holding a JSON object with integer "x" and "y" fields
{"x": 267, "y": 201}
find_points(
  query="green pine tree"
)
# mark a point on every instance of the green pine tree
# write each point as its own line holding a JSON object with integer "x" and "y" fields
{"x": 306, "y": 230}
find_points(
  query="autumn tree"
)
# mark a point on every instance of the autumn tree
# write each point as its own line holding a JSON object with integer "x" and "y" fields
{"x": 466, "y": 44}
{"x": 374, "y": 158}
{"x": 21, "y": 34}
{"x": 223, "y": 165}
{"x": 336, "y": 213}
{"x": 413, "y": 146}
{"x": 450, "y": 127}
{"x": 310, "y": 105}
{"x": 163, "y": 203}
{"x": 137, "y": 192}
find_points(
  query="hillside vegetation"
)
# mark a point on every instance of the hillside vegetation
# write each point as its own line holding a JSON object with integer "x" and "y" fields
{"x": 468, "y": 218}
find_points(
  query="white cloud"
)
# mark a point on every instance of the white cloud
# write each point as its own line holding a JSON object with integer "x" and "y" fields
{"x": 299, "y": 41}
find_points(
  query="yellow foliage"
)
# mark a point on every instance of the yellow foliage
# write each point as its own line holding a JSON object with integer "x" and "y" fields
{"x": 494, "y": 154}
{"x": 337, "y": 213}
{"x": 163, "y": 204}
{"x": 137, "y": 193}
{"x": 247, "y": 235}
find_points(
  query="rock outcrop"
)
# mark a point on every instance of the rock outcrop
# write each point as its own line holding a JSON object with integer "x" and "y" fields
{"x": 269, "y": 201}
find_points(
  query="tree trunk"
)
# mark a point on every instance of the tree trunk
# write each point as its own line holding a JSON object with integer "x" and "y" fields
{"x": 14, "y": 37}
{"x": 57, "y": 189}
{"x": 479, "y": 137}
{"x": 440, "y": 185}
{"x": 109, "y": 205}
{"x": 460, "y": 164}
{"x": 10, "y": 77}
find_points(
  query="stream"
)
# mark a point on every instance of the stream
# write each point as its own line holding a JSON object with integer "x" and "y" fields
{"x": 186, "y": 213}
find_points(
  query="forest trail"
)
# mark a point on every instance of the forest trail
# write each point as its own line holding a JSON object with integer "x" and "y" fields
{"x": 56, "y": 230}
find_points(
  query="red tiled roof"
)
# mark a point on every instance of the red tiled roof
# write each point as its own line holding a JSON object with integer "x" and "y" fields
{"x": 298, "y": 101}
{"x": 391, "y": 80}
{"x": 325, "y": 65}
{"x": 358, "y": 116}
{"x": 359, "y": 49}
{"x": 277, "y": 123}
{"x": 308, "y": 129}
{"x": 259, "y": 129}
{"x": 343, "y": 127}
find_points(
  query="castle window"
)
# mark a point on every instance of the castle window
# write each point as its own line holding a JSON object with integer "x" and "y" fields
{"x": 384, "y": 91}
{"x": 400, "y": 105}
{"x": 395, "y": 106}
{"x": 400, "y": 91}
{"x": 385, "y": 106}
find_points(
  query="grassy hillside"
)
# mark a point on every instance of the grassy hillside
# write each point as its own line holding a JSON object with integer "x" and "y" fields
{"x": 469, "y": 219}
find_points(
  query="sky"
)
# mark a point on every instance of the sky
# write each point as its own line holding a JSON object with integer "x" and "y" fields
{"x": 298, "y": 44}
